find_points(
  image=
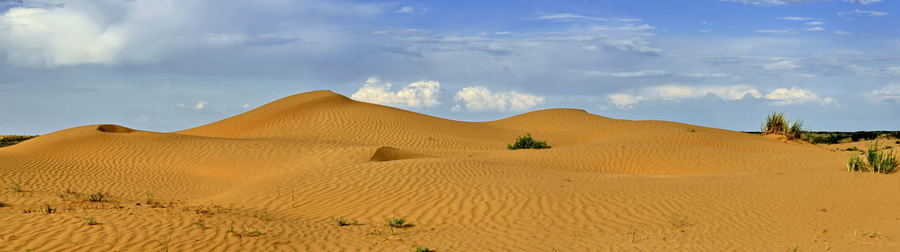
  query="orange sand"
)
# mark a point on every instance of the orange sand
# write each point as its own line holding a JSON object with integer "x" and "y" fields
{"x": 286, "y": 168}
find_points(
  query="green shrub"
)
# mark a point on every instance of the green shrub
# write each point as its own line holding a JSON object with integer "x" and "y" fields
{"x": 90, "y": 221}
{"x": 16, "y": 188}
{"x": 776, "y": 123}
{"x": 396, "y": 222}
{"x": 526, "y": 142}
{"x": 877, "y": 161}
{"x": 343, "y": 221}
{"x": 420, "y": 248}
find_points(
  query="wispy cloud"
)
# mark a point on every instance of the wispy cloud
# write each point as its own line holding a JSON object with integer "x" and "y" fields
{"x": 797, "y": 18}
{"x": 815, "y": 29}
{"x": 675, "y": 93}
{"x": 784, "y": 2}
{"x": 782, "y": 31}
{"x": 863, "y": 12}
{"x": 569, "y": 17}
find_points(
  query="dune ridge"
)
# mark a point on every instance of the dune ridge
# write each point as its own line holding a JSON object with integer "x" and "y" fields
{"x": 285, "y": 168}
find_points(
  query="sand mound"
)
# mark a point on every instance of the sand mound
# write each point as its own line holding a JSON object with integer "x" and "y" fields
{"x": 111, "y": 128}
{"x": 281, "y": 171}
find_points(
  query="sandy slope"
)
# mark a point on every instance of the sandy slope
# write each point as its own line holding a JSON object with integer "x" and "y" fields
{"x": 286, "y": 168}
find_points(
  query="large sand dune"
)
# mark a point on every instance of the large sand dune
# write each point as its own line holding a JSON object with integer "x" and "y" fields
{"x": 286, "y": 168}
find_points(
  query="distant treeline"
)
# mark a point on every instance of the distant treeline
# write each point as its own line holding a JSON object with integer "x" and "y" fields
{"x": 830, "y": 137}
{"x": 12, "y": 140}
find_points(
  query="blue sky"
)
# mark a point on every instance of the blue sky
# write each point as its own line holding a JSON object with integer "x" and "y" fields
{"x": 166, "y": 65}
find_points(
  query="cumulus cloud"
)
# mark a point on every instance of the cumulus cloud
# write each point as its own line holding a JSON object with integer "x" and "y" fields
{"x": 784, "y": 96}
{"x": 480, "y": 98}
{"x": 779, "y": 97}
{"x": 416, "y": 94}
{"x": 45, "y": 33}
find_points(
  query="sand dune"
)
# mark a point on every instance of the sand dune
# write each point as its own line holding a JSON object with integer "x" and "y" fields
{"x": 271, "y": 179}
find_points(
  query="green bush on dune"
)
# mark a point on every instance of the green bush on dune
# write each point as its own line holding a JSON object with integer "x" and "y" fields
{"x": 776, "y": 123}
{"x": 526, "y": 142}
{"x": 877, "y": 161}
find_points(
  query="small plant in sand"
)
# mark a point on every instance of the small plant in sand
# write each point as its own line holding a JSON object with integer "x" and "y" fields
{"x": 47, "y": 209}
{"x": 248, "y": 232}
{"x": 677, "y": 220}
{"x": 877, "y": 161}
{"x": 200, "y": 224}
{"x": 90, "y": 221}
{"x": 420, "y": 248}
{"x": 396, "y": 222}
{"x": 2, "y": 204}
{"x": 343, "y": 221}
{"x": 527, "y": 142}
{"x": 16, "y": 188}
{"x": 776, "y": 123}
{"x": 97, "y": 197}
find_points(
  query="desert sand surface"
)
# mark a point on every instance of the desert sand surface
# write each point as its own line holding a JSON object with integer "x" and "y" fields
{"x": 272, "y": 178}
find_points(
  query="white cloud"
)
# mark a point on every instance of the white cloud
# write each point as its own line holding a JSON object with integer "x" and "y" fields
{"x": 783, "y": 31}
{"x": 843, "y": 33}
{"x": 888, "y": 92}
{"x": 797, "y": 18}
{"x": 677, "y": 93}
{"x": 815, "y": 29}
{"x": 863, "y": 2}
{"x": 58, "y": 36}
{"x": 862, "y": 12}
{"x": 781, "y": 65}
{"x": 816, "y": 23}
{"x": 642, "y": 73}
{"x": 783, "y": 2}
{"x": 416, "y": 94}
{"x": 568, "y": 17}
{"x": 480, "y": 98}
{"x": 200, "y": 105}
{"x": 410, "y": 10}
{"x": 779, "y": 97}
{"x": 784, "y": 96}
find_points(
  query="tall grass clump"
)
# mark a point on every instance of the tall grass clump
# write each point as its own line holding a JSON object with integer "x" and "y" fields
{"x": 527, "y": 142}
{"x": 776, "y": 123}
{"x": 877, "y": 161}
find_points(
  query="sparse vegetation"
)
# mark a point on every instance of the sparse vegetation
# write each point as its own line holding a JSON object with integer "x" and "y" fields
{"x": 527, "y": 142}
{"x": 420, "y": 248}
{"x": 677, "y": 220}
{"x": 16, "y": 188}
{"x": 343, "y": 221}
{"x": 47, "y": 209}
{"x": 90, "y": 221}
{"x": 396, "y": 222}
{"x": 199, "y": 223}
{"x": 877, "y": 161}
{"x": 2, "y": 204}
{"x": 9, "y": 140}
{"x": 692, "y": 130}
{"x": 776, "y": 123}
{"x": 97, "y": 197}
{"x": 247, "y": 232}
